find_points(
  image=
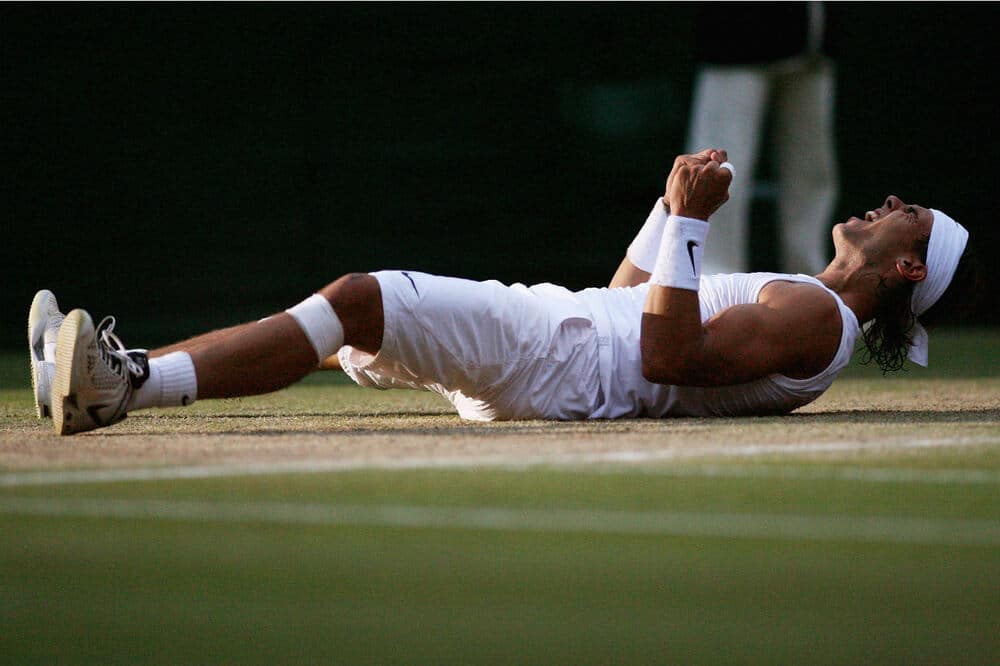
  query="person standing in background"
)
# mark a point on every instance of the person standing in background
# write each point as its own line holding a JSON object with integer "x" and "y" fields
{"x": 755, "y": 59}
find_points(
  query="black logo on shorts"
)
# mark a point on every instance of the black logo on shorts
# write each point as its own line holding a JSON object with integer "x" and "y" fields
{"x": 407, "y": 276}
{"x": 691, "y": 246}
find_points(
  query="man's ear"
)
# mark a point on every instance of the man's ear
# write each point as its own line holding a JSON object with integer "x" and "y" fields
{"x": 911, "y": 268}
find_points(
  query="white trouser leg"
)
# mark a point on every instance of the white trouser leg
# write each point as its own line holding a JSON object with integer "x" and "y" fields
{"x": 728, "y": 111}
{"x": 807, "y": 168}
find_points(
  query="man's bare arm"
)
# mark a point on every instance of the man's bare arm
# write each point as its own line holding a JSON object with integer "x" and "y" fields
{"x": 646, "y": 244}
{"x": 794, "y": 330}
{"x": 628, "y": 273}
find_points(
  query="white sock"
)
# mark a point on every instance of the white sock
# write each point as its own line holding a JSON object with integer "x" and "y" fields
{"x": 321, "y": 325}
{"x": 172, "y": 383}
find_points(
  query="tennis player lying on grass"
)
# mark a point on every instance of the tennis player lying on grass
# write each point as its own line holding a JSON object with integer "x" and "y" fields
{"x": 662, "y": 340}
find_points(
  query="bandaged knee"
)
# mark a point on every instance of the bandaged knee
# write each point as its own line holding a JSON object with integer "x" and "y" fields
{"x": 321, "y": 325}
{"x": 678, "y": 263}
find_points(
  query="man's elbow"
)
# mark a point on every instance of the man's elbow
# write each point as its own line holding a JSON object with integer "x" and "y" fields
{"x": 653, "y": 374}
{"x": 680, "y": 370}
{"x": 661, "y": 371}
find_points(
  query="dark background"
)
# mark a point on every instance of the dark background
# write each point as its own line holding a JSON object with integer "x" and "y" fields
{"x": 187, "y": 166}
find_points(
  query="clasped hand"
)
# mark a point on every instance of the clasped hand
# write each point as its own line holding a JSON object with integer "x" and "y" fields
{"x": 696, "y": 186}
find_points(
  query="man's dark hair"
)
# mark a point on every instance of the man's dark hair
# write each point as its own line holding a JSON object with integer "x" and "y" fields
{"x": 886, "y": 337}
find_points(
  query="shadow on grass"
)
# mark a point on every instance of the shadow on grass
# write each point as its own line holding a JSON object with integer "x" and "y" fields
{"x": 425, "y": 423}
{"x": 901, "y": 415}
{"x": 320, "y": 415}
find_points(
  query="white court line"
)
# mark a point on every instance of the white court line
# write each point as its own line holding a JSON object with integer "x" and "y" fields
{"x": 40, "y": 478}
{"x": 963, "y": 476}
{"x": 791, "y": 527}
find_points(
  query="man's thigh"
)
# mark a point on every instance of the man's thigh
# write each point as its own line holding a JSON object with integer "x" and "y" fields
{"x": 457, "y": 334}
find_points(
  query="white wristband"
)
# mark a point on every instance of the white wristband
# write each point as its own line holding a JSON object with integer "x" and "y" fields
{"x": 646, "y": 245}
{"x": 679, "y": 262}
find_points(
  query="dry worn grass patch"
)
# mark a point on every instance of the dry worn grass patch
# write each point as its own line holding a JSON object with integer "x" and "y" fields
{"x": 326, "y": 422}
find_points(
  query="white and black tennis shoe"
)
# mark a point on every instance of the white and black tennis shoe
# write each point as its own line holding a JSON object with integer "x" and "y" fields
{"x": 44, "y": 320}
{"x": 95, "y": 375}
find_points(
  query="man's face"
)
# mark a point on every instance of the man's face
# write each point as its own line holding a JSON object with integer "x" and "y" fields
{"x": 894, "y": 227}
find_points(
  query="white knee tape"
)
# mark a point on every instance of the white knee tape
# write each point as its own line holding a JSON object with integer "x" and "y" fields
{"x": 679, "y": 262}
{"x": 321, "y": 325}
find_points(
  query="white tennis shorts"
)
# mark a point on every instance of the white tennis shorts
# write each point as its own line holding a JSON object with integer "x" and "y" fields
{"x": 495, "y": 351}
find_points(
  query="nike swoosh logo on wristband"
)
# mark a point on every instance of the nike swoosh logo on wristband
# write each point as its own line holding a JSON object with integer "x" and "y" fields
{"x": 691, "y": 246}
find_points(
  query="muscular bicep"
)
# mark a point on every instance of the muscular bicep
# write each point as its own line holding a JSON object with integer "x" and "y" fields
{"x": 740, "y": 344}
{"x": 744, "y": 343}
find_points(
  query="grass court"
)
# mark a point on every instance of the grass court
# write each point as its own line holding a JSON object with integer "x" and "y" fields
{"x": 333, "y": 524}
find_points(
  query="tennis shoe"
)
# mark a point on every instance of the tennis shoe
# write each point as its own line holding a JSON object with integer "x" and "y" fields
{"x": 44, "y": 320}
{"x": 95, "y": 375}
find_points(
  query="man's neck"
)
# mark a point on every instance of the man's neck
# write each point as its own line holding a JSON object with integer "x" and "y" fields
{"x": 855, "y": 285}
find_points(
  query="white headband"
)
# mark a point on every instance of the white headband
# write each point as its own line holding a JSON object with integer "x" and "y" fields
{"x": 947, "y": 243}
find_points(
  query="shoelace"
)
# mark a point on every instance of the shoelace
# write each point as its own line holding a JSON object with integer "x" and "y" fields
{"x": 114, "y": 350}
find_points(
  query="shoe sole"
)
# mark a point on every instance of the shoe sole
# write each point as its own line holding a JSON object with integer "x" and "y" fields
{"x": 36, "y": 344}
{"x": 65, "y": 414}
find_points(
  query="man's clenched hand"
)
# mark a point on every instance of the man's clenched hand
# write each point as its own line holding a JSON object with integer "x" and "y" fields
{"x": 697, "y": 187}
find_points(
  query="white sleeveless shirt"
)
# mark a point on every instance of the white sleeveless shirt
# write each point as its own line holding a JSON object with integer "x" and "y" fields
{"x": 618, "y": 315}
